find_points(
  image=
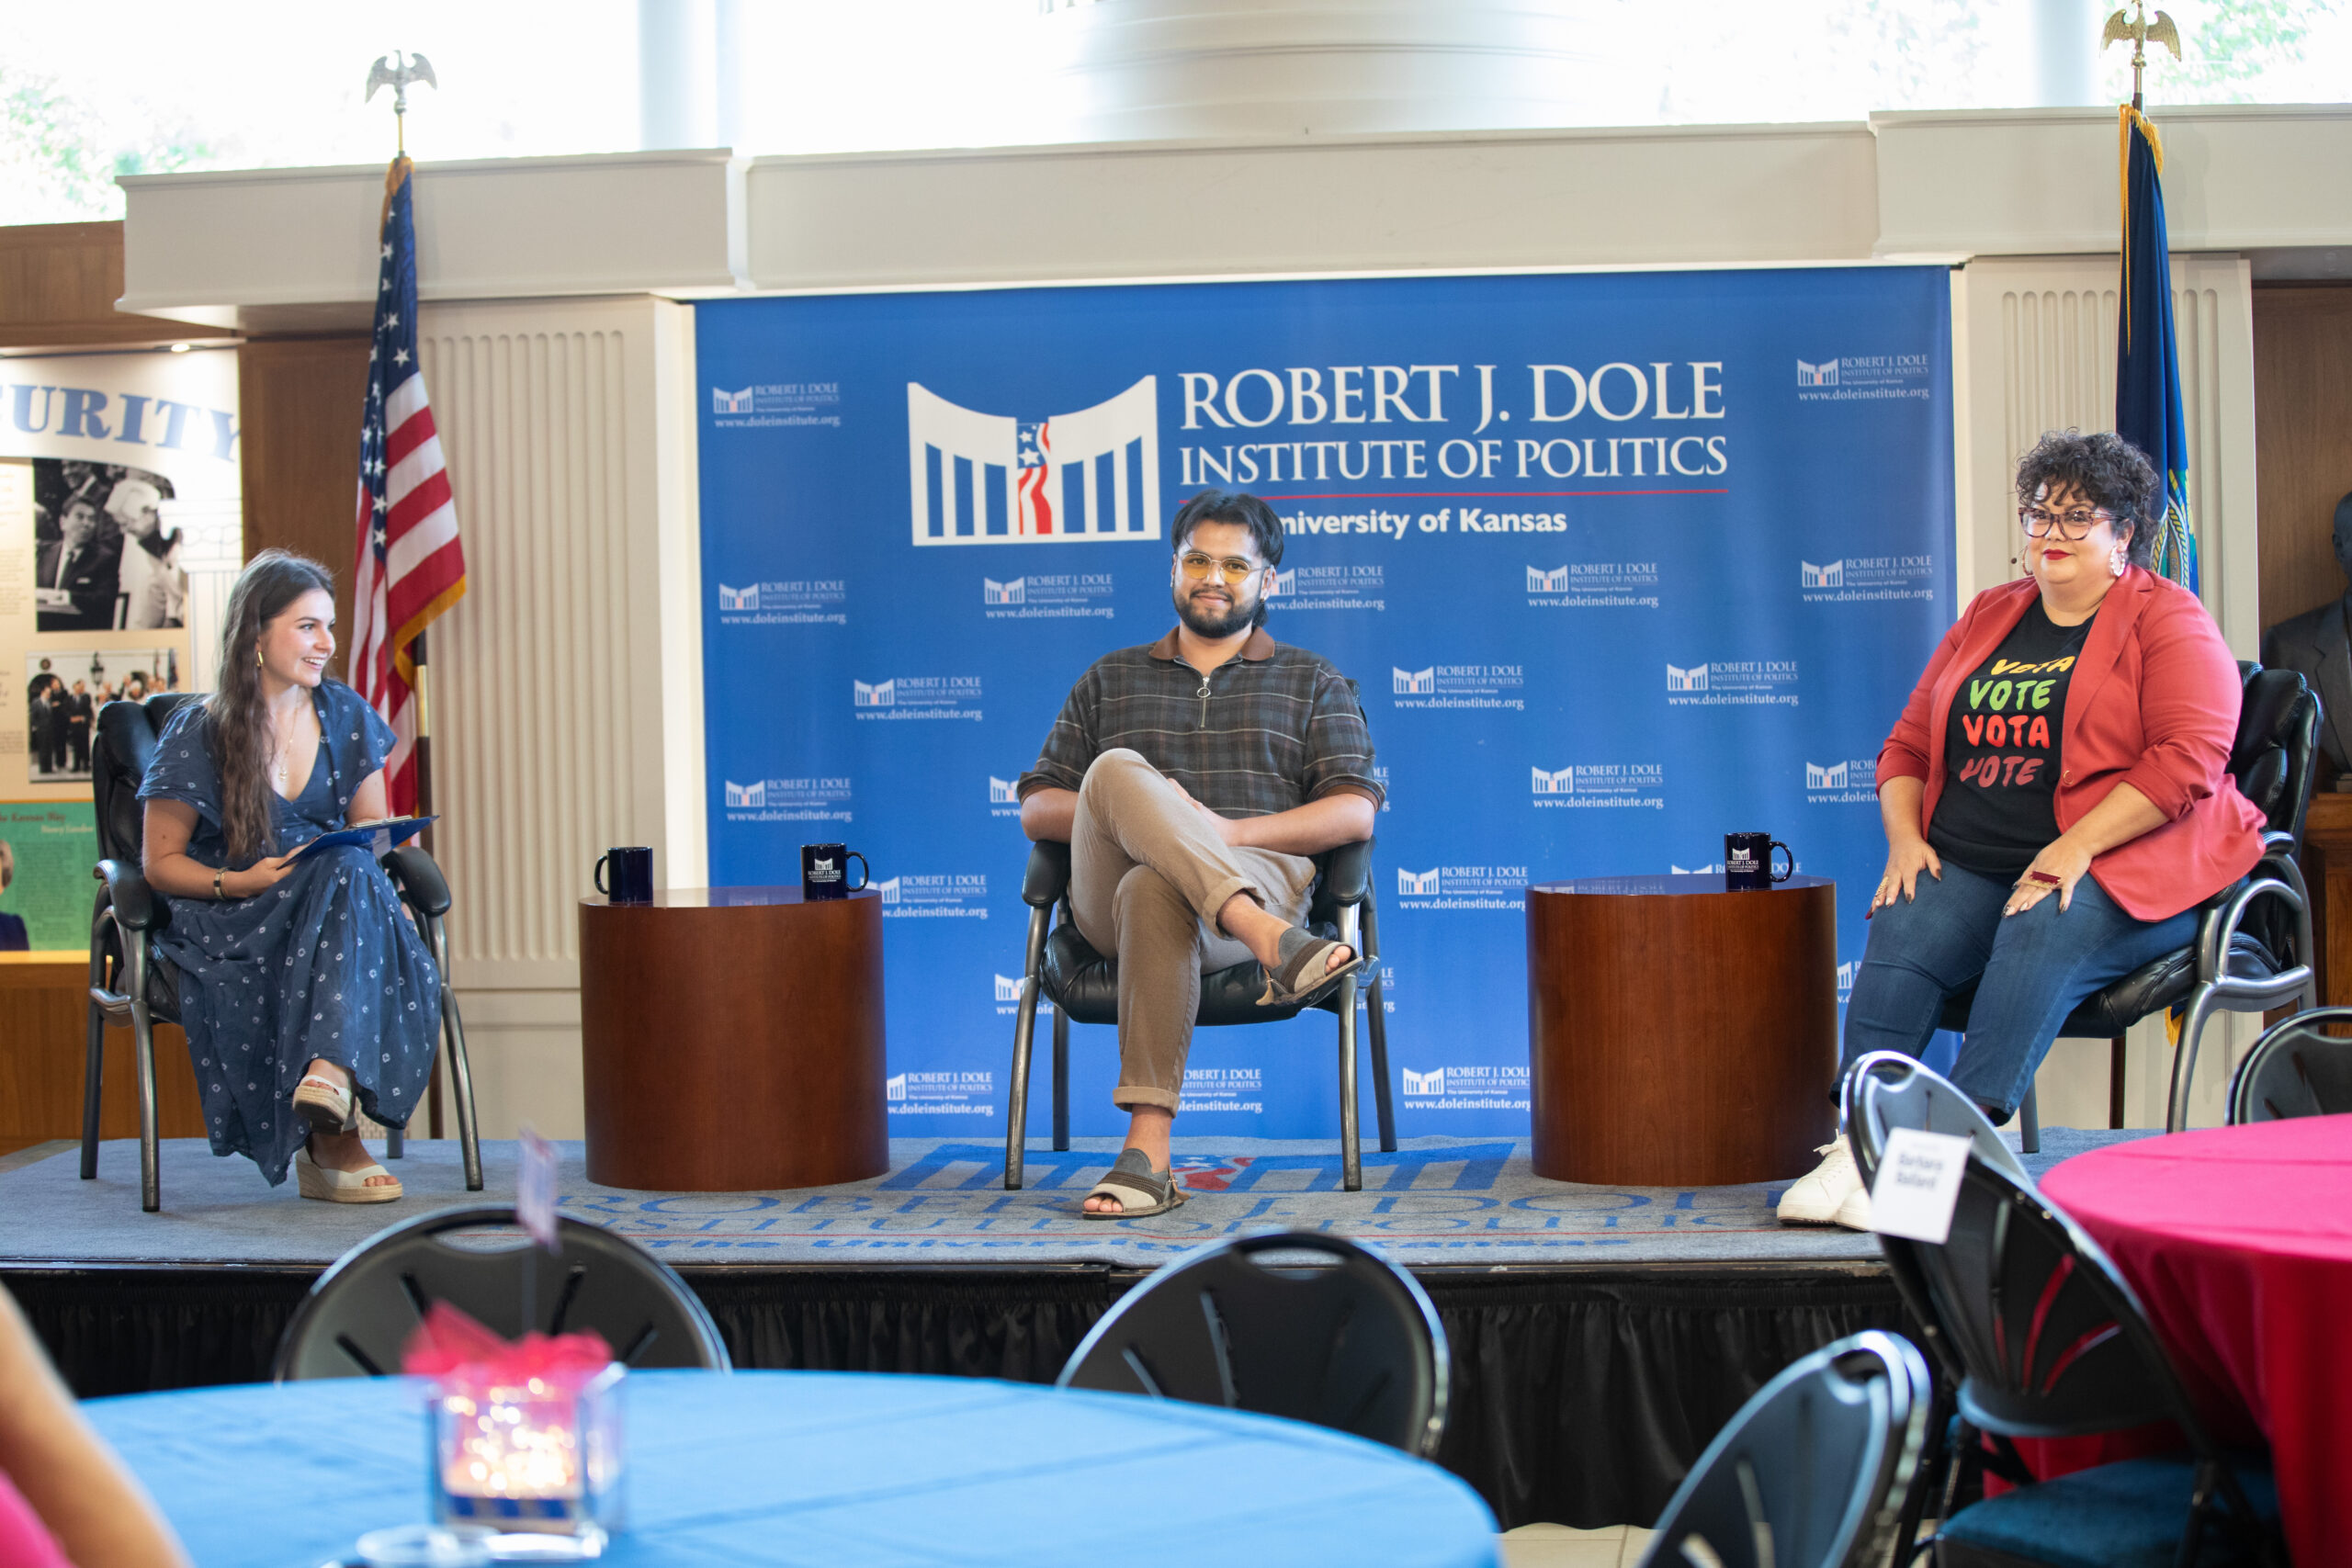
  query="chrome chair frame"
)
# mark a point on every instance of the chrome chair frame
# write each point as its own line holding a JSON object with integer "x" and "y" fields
{"x": 1046, "y": 885}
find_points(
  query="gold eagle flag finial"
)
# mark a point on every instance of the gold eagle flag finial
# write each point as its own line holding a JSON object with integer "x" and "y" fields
{"x": 2140, "y": 32}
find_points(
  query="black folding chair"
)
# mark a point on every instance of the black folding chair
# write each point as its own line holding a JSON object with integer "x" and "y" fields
{"x": 360, "y": 1312}
{"x": 2254, "y": 947}
{"x": 2297, "y": 1068}
{"x": 1810, "y": 1471}
{"x": 1295, "y": 1324}
{"x": 132, "y": 983}
{"x": 2052, "y": 1342}
{"x": 1881, "y": 1091}
{"x": 1082, "y": 985}
{"x": 1886, "y": 1089}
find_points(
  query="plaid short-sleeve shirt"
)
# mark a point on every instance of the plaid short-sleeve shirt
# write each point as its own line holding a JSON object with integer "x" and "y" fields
{"x": 1264, "y": 732}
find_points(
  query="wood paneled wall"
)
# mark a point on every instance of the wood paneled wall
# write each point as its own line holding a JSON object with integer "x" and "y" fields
{"x": 2303, "y": 410}
{"x": 42, "y": 1042}
{"x": 58, "y": 285}
{"x": 299, "y": 400}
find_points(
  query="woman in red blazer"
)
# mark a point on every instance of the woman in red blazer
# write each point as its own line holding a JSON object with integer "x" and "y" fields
{"x": 2055, "y": 796}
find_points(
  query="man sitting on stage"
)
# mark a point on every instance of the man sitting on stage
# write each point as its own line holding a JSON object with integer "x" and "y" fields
{"x": 1191, "y": 779}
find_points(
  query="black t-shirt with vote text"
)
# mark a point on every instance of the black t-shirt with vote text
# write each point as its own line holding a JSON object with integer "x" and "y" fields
{"x": 2001, "y": 747}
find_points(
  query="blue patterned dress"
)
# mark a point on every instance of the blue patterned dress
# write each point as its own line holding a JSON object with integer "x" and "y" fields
{"x": 325, "y": 964}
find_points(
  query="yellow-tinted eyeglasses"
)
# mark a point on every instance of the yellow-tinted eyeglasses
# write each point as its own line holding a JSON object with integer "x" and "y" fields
{"x": 1235, "y": 572}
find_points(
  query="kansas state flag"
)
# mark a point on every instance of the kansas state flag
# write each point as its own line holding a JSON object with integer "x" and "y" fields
{"x": 2147, "y": 368}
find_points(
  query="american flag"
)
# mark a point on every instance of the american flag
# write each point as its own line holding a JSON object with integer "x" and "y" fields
{"x": 411, "y": 566}
{"x": 1033, "y": 452}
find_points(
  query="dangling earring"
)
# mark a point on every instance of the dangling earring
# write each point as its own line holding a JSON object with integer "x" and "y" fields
{"x": 259, "y": 662}
{"x": 2116, "y": 560}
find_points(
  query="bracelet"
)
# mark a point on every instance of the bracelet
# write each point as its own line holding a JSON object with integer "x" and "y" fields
{"x": 217, "y": 875}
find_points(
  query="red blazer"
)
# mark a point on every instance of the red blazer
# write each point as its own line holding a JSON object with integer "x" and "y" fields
{"x": 2153, "y": 703}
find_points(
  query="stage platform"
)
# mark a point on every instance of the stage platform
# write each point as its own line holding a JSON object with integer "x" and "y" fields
{"x": 1600, "y": 1336}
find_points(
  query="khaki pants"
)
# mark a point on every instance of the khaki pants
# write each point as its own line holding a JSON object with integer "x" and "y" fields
{"x": 1147, "y": 876}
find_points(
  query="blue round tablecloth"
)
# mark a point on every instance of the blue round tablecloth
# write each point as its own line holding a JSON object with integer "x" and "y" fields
{"x": 825, "y": 1468}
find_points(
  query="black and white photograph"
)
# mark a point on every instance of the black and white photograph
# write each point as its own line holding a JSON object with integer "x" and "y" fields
{"x": 103, "y": 559}
{"x": 64, "y": 691}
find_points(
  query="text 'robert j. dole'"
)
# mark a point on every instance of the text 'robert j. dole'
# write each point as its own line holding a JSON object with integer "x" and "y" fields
{"x": 1300, "y": 396}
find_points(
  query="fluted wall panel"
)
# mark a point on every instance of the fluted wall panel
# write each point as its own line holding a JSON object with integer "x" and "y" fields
{"x": 2056, "y": 347}
{"x": 552, "y": 683}
{"x": 532, "y": 724}
{"x": 2038, "y": 354}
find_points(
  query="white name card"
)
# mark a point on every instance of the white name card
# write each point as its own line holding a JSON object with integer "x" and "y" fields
{"x": 535, "y": 1189}
{"x": 1918, "y": 1184}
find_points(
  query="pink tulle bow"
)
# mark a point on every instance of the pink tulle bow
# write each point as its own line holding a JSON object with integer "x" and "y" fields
{"x": 450, "y": 1346}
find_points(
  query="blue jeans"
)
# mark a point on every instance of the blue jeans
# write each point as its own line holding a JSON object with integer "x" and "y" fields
{"x": 2031, "y": 971}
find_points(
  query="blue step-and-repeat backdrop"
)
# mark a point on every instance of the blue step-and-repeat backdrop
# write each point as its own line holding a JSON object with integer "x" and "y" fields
{"x": 1620, "y": 562}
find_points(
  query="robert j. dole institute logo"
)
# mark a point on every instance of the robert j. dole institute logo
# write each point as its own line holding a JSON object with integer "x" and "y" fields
{"x": 1462, "y": 888}
{"x": 985, "y": 479}
{"x": 788, "y": 800}
{"x": 917, "y": 697}
{"x": 1851, "y": 782}
{"x": 1600, "y": 785}
{"x": 1468, "y": 1088}
{"x": 1726, "y": 683}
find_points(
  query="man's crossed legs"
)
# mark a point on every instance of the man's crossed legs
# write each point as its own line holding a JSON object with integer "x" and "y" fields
{"x": 1153, "y": 883}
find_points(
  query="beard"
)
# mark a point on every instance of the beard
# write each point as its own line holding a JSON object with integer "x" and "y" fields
{"x": 1207, "y": 622}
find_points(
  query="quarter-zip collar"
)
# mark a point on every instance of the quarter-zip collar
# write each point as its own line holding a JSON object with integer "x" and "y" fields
{"x": 1259, "y": 648}
{"x": 1256, "y": 650}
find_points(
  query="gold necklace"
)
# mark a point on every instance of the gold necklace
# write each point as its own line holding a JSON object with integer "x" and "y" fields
{"x": 282, "y": 772}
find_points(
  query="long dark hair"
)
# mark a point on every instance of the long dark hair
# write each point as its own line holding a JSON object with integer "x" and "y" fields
{"x": 240, "y": 730}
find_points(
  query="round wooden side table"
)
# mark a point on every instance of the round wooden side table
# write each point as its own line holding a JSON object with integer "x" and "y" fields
{"x": 1679, "y": 1034}
{"x": 731, "y": 1039}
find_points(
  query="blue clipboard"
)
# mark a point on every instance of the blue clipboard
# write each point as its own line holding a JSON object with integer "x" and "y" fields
{"x": 380, "y": 836}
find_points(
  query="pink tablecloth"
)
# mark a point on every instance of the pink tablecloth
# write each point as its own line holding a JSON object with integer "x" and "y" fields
{"x": 2239, "y": 1242}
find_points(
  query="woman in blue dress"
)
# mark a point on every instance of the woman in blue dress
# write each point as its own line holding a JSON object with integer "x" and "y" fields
{"x": 307, "y": 994}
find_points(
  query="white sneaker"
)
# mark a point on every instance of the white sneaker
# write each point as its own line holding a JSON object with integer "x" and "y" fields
{"x": 1820, "y": 1198}
{"x": 1854, "y": 1214}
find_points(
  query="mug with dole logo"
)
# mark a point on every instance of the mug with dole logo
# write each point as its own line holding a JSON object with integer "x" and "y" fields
{"x": 824, "y": 871}
{"x": 1747, "y": 861}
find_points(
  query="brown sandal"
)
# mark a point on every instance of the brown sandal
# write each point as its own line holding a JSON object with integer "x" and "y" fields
{"x": 1131, "y": 1181}
{"x": 1302, "y": 979}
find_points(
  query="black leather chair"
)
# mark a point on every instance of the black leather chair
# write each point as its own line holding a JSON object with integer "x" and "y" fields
{"x": 361, "y": 1311}
{"x": 1812, "y": 1471}
{"x": 131, "y": 983}
{"x": 2297, "y": 1068}
{"x": 2253, "y": 948}
{"x": 1353, "y": 1344}
{"x": 1083, "y": 986}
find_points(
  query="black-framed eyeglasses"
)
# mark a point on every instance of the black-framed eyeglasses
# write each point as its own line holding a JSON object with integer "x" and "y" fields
{"x": 1233, "y": 570}
{"x": 2072, "y": 524}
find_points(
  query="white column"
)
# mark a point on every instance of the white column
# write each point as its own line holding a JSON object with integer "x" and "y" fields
{"x": 677, "y": 44}
{"x": 2063, "y": 40}
{"x": 568, "y": 682}
{"x": 1186, "y": 68}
